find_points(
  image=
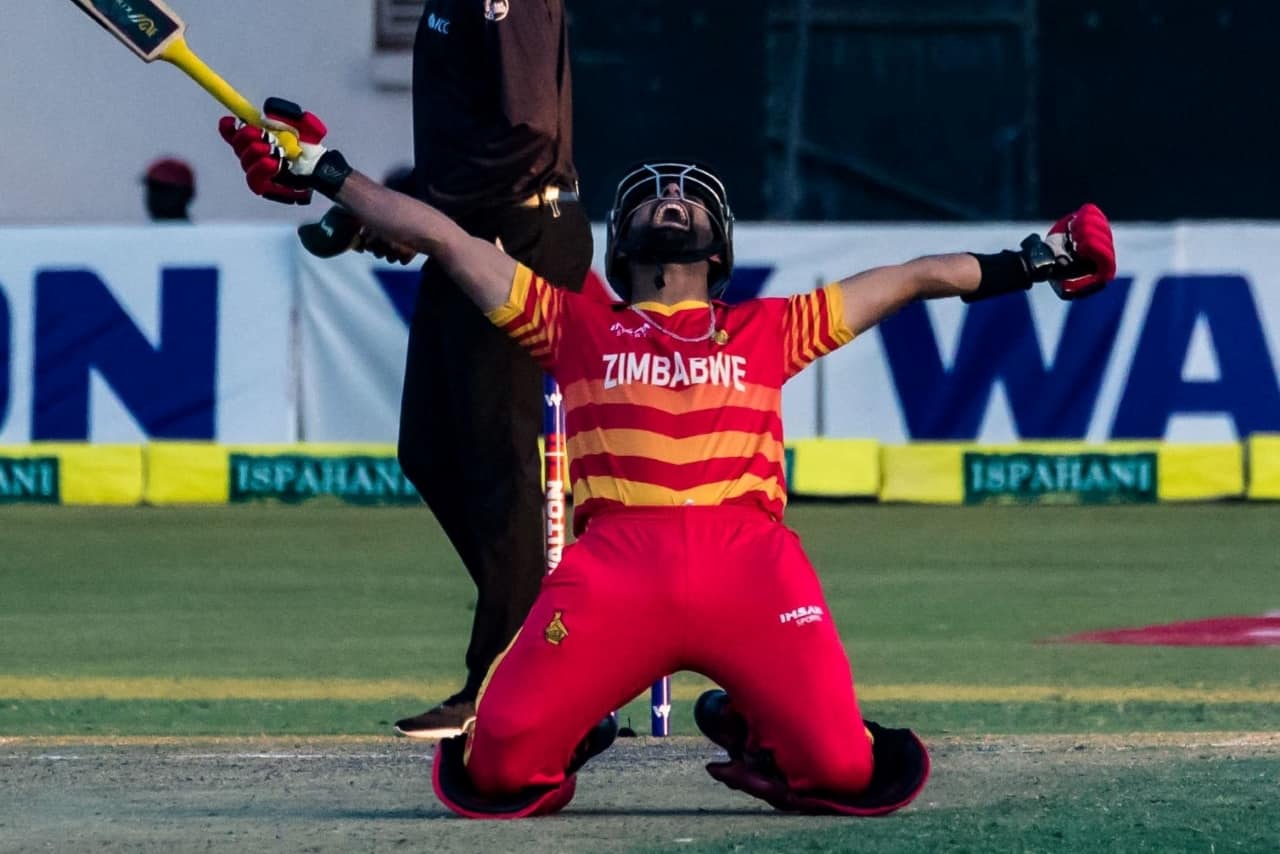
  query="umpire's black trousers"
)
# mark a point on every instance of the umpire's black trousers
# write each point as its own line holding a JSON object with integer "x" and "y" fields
{"x": 470, "y": 416}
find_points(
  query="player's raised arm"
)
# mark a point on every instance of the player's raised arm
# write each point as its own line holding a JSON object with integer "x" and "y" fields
{"x": 483, "y": 270}
{"x": 1077, "y": 257}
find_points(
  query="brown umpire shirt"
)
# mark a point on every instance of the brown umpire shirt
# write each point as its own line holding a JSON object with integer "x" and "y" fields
{"x": 492, "y": 103}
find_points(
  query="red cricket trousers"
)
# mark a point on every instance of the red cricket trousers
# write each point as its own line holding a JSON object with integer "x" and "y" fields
{"x": 723, "y": 591}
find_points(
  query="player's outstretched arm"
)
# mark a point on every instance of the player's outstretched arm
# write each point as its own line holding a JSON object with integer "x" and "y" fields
{"x": 1077, "y": 257}
{"x": 484, "y": 271}
{"x": 874, "y": 294}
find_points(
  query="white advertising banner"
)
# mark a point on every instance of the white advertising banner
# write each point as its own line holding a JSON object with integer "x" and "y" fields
{"x": 1182, "y": 346}
{"x": 234, "y": 334}
{"x": 353, "y": 328}
{"x": 165, "y": 332}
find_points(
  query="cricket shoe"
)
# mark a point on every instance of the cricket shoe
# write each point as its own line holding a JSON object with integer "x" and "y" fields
{"x": 597, "y": 740}
{"x": 899, "y": 773}
{"x": 446, "y": 720}
{"x": 721, "y": 722}
{"x": 453, "y": 786}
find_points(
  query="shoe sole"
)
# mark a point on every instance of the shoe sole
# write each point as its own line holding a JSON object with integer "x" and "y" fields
{"x": 434, "y": 734}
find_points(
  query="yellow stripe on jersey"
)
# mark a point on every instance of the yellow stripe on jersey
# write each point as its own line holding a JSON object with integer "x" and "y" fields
{"x": 620, "y": 442}
{"x": 804, "y": 336}
{"x": 638, "y": 494}
{"x": 530, "y": 301}
{"x": 835, "y": 316}
{"x": 668, "y": 310}
{"x": 516, "y": 298}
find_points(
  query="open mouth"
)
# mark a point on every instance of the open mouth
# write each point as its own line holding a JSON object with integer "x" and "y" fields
{"x": 672, "y": 214}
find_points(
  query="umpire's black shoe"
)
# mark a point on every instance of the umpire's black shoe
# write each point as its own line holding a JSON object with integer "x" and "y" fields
{"x": 720, "y": 721}
{"x": 444, "y": 721}
{"x": 597, "y": 740}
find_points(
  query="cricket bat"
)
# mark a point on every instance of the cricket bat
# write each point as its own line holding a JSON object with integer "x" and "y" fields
{"x": 153, "y": 31}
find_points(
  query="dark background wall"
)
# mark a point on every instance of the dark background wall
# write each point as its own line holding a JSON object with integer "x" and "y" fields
{"x": 938, "y": 109}
{"x": 1161, "y": 109}
{"x": 654, "y": 78}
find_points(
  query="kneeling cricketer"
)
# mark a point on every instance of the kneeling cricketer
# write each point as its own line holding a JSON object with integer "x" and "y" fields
{"x": 682, "y": 560}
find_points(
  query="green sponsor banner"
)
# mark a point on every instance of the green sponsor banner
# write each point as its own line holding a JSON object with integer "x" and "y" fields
{"x": 298, "y": 477}
{"x": 1084, "y": 478}
{"x": 29, "y": 480}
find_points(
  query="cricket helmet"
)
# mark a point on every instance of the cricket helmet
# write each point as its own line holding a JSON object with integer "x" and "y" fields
{"x": 697, "y": 185}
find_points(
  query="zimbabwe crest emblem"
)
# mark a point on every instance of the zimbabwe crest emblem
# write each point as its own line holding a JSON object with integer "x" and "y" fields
{"x": 555, "y": 631}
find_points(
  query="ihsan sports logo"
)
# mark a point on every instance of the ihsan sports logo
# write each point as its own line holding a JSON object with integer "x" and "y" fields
{"x": 801, "y": 616}
{"x": 496, "y": 10}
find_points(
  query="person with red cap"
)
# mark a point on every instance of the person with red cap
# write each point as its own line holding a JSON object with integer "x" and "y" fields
{"x": 171, "y": 186}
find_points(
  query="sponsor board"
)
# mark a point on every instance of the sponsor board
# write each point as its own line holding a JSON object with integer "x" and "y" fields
{"x": 125, "y": 335}
{"x": 70, "y": 473}
{"x": 29, "y": 480}
{"x": 163, "y": 473}
{"x": 1181, "y": 347}
{"x": 1061, "y": 472}
{"x": 206, "y": 473}
{"x": 291, "y": 478}
{"x": 1084, "y": 478}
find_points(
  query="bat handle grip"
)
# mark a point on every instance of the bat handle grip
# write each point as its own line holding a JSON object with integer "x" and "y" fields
{"x": 288, "y": 141}
{"x": 247, "y": 113}
{"x": 179, "y": 54}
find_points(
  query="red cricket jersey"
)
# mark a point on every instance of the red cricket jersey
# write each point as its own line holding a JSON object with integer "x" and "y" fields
{"x": 656, "y": 421}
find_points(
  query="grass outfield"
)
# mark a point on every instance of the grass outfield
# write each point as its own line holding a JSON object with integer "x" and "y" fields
{"x": 330, "y": 619}
{"x": 291, "y": 622}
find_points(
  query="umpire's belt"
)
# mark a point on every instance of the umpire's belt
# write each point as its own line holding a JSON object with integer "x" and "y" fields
{"x": 549, "y": 196}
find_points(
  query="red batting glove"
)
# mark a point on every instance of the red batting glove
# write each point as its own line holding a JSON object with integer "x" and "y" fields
{"x": 1084, "y": 253}
{"x": 267, "y": 170}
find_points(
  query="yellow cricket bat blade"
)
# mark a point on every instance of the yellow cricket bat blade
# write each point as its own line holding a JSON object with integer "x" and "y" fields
{"x": 154, "y": 31}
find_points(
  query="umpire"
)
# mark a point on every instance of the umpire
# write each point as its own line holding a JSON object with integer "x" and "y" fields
{"x": 493, "y": 148}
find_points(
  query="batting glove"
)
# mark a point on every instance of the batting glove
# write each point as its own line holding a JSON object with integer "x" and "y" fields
{"x": 269, "y": 171}
{"x": 1077, "y": 257}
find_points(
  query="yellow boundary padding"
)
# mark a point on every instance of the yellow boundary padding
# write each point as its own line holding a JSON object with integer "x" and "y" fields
{"x": 932, "y": 473}
{"x": 835, "y": 468}
{"x": 89, "y": 474}
{"x": 198, "y": 472}
{"x": 1199, "y": 472}
{"x": 1264, "y": 466}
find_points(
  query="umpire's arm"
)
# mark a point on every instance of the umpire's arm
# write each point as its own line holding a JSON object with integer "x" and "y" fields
{"x": 483, "y": 270}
